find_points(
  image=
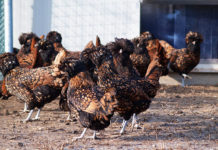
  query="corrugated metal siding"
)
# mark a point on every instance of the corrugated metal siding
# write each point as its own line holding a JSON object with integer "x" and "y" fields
{"x": 79, "y": 21}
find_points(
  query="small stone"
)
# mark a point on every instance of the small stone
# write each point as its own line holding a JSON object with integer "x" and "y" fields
{"x": 61, "y": 121}
{"x": 74, "y": 120}
{"x": 67, "y": 123}
{"x": 154, "y": 145}
{"x": 75, "y": 132}
{"x": 20, "y": 144}
{"x": 179, "y": 112}
{"x": 14, "y": 112}
{"x": 6, "y": 112}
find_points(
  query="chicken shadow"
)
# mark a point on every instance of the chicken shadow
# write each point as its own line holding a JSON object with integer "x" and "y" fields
{"x": 183, "y": 122}
{"x": 183, "y": 130}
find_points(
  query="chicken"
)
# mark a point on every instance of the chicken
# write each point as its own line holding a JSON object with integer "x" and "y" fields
{"x": 36, "y": 86}
{"x": 95, "y": 106}
{"x": 27, "y": 56}
{"x": 30, "y": 57}
{"x": 133, "y": 94}
{"x": 184, "y": 60}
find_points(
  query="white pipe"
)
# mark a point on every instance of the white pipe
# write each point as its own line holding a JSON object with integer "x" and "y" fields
{"x": 8, "y": 26}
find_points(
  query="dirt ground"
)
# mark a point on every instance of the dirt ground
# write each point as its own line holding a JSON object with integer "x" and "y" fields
{"x": 179, "y": 118}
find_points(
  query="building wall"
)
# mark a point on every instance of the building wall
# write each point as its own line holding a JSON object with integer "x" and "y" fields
{"x": 79, "y": 21}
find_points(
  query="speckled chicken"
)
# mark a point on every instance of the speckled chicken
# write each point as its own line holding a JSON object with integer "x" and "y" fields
{"x": 28, "y": 57}
{"x": 36, "y": 86}
{"x": 94, "y": 105}
{"x": 133, "y": 94}
{"x": 184, "y": 60}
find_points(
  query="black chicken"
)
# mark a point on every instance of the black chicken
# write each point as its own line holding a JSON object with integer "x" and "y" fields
{"x": 184, "y": 60}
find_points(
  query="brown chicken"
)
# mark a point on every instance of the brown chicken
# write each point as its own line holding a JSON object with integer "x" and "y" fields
{"x": 184, "y": 60}
{"x": 36, "y": 86}
{"x": 27, "y": 56}
{"x": 95, "y": 106}
{"x": 133, "y": 95}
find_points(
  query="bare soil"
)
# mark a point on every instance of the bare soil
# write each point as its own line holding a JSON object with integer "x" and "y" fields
{"x": 178, "y": 118}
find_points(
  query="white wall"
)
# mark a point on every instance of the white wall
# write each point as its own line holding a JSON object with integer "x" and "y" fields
{"x": 22, "y": 19}
{"x": 79, "y": 21}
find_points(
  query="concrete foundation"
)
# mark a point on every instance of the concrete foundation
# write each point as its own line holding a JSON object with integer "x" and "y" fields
{"x": 197, "y": 79}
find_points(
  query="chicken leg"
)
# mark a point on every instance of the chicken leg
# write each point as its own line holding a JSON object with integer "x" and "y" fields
{"x": 37, "y": 115}
{"x": 184, "y": 76}
{"x": 83, "y": 133}
{"x": 124, "y": 124}
{"x": 29, "y": 116}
